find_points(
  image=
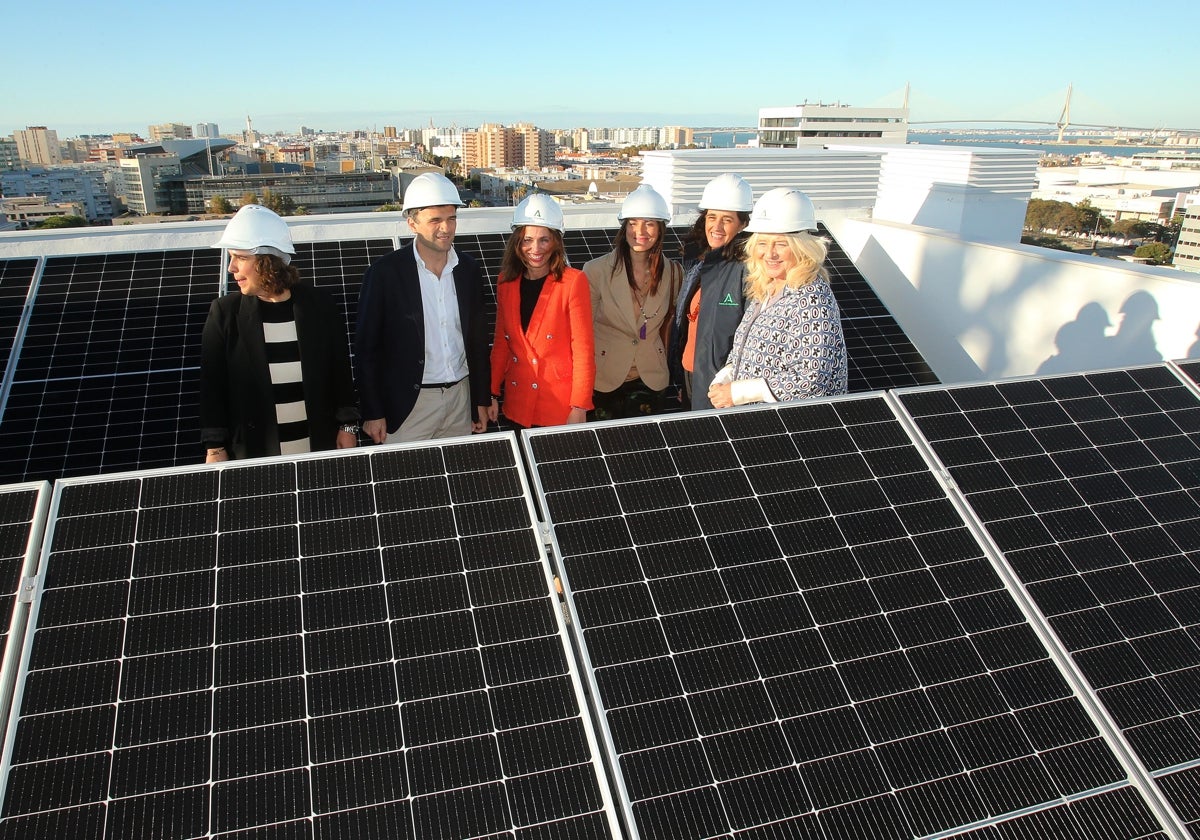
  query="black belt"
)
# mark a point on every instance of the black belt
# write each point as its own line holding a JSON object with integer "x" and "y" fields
{"x": 442, "y": 385}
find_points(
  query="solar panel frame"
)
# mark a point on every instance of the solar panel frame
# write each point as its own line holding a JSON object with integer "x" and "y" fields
{"x": 605, "y": 544}
{"x": 178, "y": 565}
{"x": 23, "y": 512}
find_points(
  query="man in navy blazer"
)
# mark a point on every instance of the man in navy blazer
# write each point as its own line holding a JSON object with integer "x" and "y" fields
{"x": 421, "y": 345}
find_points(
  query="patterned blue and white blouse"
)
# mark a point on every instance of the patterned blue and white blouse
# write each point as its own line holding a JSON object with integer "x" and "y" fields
{"x": 795, "y": 344}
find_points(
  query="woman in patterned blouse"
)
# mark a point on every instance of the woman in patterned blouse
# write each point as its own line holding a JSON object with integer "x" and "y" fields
{"x": 789, "y": 345}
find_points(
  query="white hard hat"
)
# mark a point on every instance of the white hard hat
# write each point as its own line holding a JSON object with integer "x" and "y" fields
{"x": 541, "y": 210}
{"x": 431, "y": 189}
{"x": 728, "y": 192}
{"x": 644, "y": 203}
{"x": 258, "y": 230}
{"x": 782, "y": 210}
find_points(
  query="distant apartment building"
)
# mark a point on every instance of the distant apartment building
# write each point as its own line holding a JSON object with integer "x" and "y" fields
{"x": 10, "y": 158}
{"x": 291, "y": 154}
{"x": 144, "y": 182}
{"x": 677, "y": 136}
{"x": 493, "y": 145}
{"x": 1187, "y": 248}
{"x": 38, "y": 144}
{"x": 318, "y": 192}
{"x": 82, "y": 186}
{"x": 170, "y": 131}
{"x": 389, "y": 131}
{"x": 203, "y": 130}
{"x": 796, "y": 126}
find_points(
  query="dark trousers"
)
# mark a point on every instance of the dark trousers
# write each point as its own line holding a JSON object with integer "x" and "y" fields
{"x": 632, "y": 399}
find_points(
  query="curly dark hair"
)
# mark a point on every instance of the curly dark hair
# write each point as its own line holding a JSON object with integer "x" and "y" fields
{"x": 695, "y": 242}
{"x": 512, "y": 267}
{"x": 274, "y": 275}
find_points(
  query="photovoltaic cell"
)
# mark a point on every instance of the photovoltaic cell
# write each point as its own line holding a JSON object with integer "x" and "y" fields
{"x": 288, "y": 648}
{"x": 1088, "y": 485}
{"x": 792, "y": 632}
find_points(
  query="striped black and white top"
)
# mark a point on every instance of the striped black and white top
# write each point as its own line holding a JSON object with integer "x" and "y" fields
{"x": 283, "y": 360}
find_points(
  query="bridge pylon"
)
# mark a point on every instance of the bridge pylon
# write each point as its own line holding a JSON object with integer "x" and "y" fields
{"x": 1064, "y": 119}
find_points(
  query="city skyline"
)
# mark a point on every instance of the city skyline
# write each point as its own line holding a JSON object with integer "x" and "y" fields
{"x": 562, "y": 66}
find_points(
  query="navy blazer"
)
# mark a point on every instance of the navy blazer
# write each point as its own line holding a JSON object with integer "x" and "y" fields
{"x": 389, "y": 342}
{"x": 237, "y": 402}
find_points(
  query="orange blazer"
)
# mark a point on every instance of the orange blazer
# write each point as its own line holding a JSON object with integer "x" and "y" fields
{"x": 550, "y": 367}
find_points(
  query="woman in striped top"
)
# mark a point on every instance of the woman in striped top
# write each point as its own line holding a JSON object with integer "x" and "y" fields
{"x": 275, "y": 364}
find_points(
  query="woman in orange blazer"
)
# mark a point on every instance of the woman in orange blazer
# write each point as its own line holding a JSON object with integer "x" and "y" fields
{"x": 543, "y": 361}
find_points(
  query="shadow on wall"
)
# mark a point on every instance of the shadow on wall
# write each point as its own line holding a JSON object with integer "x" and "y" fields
{"x": 940, "y": 346}
{"x": 1084, "y": 343}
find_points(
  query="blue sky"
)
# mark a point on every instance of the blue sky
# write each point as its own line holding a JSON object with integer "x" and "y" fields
{"x": 98, "y": 68}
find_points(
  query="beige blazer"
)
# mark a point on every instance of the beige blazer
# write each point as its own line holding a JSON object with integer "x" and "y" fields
{"x": 618, "y": 324}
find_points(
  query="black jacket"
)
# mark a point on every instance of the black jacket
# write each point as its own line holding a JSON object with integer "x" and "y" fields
{"x": 722, "y": 304}
{"x": 237, "y": 407}
{"x": 389, "y": 342}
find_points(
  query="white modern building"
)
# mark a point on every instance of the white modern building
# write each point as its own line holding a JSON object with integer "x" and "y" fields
{"x": 142, "y": 182}
{"x": 795, "y": 126}
{"x": 1118, "y": 191}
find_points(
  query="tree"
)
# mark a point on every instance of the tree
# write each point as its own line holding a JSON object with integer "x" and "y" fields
{"x": 1090, "y": 219}
{"x": 70, "y": 221}
{"x": 1038, "y": 212}
{"x": 475, "y": 202}
{"x": 1131, "y": 228}
{"x": 249, "y": 198}
{"x": 388, "y": 208}
{"x": 1065, "y": 217}
{"x": 1156, "y": 253}
{"x": 219, "y": 205}
{"x": 282, "y": 204}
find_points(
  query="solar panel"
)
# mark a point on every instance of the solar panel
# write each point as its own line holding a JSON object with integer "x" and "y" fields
{"x": 790, "y": 630}
{"x": 1089, "y": 486}
{"x": 16, "y": 276}
{"x": 363, "y": 645}
{"x": 107, "y": 377}
{"x": 880, "y": 356}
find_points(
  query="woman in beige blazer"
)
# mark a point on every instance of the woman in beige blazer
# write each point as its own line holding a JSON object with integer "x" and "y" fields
{"x": 633, "y": 289}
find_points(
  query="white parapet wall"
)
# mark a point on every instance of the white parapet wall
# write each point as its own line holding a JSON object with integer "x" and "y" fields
{"x": 980, "y": 311}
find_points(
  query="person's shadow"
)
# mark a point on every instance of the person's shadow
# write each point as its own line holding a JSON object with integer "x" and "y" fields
{"x": 1134, "y": 342}
{"x": 1082, "y": 344}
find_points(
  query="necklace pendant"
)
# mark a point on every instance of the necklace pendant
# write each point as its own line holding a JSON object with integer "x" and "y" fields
{"x": 642, "y": 331}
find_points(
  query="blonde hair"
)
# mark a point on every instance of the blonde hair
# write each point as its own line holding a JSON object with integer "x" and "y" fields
{"x": 809, "y": 251}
